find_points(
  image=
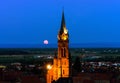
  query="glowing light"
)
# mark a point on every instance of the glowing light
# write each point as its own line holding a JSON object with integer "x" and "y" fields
{"x": 1, "y": 66}
{"x": 65, "y": 31}
{"x": 45, "y": 41}
{"x": 64, "y": 38}
{"x": 49, "y": 66}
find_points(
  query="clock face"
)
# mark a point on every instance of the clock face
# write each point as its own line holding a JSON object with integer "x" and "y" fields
{"x": 64, "y": 37}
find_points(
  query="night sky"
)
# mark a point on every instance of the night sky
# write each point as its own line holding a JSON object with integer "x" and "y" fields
{"x": 32, "y": 21}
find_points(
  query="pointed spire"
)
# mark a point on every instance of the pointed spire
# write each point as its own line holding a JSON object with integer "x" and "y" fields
{"x": 63, "y": 20}
{"x": 63, "y": 27}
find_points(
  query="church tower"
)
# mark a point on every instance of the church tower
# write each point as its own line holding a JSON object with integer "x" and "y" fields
{"x": 61, "y": 63}
{"x": 63, "y": 50}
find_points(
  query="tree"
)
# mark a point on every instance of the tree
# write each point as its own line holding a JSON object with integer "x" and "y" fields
{"x": 77, "y": 65}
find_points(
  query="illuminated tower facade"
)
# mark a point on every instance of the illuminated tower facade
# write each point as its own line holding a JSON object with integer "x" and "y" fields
{"x": 63, "y": 50}
{"x": 61, "y": 62}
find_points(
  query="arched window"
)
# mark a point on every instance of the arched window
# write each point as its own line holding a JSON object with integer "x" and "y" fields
{"x": 64, "y": 52}
{"x": 63, "y": 72}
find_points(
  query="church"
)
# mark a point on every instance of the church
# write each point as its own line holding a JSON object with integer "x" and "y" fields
{"x": 61, "y": 68}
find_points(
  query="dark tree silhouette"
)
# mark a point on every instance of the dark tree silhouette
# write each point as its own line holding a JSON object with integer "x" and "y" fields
{"x": 77, "y": 65}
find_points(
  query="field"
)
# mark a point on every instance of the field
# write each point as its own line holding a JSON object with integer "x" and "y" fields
{"x": 37, "y": 55}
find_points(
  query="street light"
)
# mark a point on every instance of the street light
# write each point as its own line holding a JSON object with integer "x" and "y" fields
{"x": 49, "y": 66}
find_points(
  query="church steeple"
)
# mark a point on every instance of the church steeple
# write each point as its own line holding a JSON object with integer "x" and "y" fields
{"x": 63, "y": 40}
{"x": 63, "y": 26}
{"x": 63, "y": 33}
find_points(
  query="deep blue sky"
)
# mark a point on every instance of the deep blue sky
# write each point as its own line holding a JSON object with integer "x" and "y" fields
{"x": 32, "y": 21}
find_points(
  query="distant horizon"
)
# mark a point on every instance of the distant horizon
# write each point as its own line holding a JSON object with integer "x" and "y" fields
{"x": 71, "y": 45}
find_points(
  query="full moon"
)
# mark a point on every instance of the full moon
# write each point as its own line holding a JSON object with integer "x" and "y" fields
{"x": 45, "y": 41}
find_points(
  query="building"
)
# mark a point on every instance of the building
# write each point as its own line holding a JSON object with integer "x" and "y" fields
{"x": 96, "y": 77}
{"x": 61, "y": 68}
